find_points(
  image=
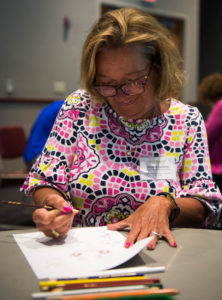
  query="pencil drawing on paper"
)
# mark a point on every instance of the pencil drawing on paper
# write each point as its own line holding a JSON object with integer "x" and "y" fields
{"x": 84, "y": 252}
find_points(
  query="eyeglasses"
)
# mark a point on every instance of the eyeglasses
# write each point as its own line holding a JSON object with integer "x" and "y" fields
{"x": 133, "y": 87}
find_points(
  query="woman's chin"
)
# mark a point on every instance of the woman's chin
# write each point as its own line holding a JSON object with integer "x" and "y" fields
{"x": 131, "y": 114}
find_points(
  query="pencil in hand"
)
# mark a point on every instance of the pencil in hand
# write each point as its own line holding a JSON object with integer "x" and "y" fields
{"x": 24, "y": 204}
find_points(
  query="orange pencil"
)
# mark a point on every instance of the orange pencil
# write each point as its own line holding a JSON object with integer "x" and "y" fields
{"x": 119, "y": 294}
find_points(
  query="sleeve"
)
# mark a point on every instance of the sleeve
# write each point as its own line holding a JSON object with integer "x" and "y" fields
{"x": 52, "y": 168}
{"x": 196, "y": 175}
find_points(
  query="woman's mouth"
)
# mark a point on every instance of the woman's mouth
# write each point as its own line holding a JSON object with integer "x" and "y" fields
{"x": 126, "y": 102}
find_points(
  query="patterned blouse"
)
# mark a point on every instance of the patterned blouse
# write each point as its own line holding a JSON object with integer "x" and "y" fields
{"x": 107, "y": 166}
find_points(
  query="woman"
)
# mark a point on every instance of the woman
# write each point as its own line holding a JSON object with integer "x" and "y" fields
{"x": 210, "y": 92}
{"x": 123, "y": 151}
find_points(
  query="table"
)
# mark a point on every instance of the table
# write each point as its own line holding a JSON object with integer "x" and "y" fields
{"x": 194, "y": 267}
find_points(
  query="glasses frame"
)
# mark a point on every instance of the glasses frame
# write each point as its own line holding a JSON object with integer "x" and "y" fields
{"x": 122, "y": 85}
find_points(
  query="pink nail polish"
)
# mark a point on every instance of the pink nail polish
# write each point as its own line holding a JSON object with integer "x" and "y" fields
{"x": 175, "y": 244}
{"x": 127, "y": 245}
{"x": 151, "y": 246}
{"x": 67, "y": 208}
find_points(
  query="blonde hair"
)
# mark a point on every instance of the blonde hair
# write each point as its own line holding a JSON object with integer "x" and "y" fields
{"x": 128, "y": 26}
{"x": 210, "y": 88}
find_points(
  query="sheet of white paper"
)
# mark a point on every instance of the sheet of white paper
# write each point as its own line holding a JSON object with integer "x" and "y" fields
{"x": 84, "y": 252}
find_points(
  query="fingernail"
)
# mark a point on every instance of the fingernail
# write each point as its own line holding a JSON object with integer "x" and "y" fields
{"x": 67, "y": 208}
{"x": 175, "y": 244}
{"x": 127, "y": 245}
{"x": 151, "y": 246}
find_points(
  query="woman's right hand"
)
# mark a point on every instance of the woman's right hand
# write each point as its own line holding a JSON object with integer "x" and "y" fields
{"x": 57, "y": 222}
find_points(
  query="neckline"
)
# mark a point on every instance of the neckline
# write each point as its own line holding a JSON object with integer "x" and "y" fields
{"x": 138, "y": 122}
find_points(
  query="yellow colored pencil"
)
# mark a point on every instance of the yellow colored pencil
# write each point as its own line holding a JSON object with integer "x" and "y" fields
{"x": 94, "y": 280}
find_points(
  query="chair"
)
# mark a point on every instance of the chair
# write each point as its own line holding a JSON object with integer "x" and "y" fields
{"x": 12, "y": 146}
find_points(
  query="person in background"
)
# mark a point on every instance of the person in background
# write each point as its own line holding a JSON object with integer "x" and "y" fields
{"x": 123, "y": 151}
{"x": 40, "y": 132}
{"x": 210, "y": 92}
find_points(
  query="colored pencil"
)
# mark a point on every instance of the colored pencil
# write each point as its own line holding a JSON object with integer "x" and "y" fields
{"x": 58, "y": 293}
{"x": 111, "y": 284}
{"x": 24, "y": 204}
{"x": 131, "y": 271}
{"x": 149, "y": 282}
{"x": 142, "y": 292}
{"x": 115, "y": 294}
{"x": 54, "y": 283}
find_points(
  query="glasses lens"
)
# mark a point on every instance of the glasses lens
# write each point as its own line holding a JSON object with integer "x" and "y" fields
{"x": 105, "y": 90}
{"x": 133, "y": 89}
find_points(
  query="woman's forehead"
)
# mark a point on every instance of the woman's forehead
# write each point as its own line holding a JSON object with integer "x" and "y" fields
{"x": 129, "y": 59}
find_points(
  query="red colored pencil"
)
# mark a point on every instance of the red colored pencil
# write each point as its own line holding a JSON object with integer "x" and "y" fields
{"x": 71, "y": 286}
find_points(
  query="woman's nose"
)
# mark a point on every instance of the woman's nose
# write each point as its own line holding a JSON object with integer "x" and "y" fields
{"x": 120, "y": 92}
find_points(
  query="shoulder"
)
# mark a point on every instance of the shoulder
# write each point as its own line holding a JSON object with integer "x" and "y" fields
{"x": 81, "y": 99}
{"x": 186, "y": 110}
{"x": 215, "y": 114}
{"x": 218, "y": 105}
{"x": 77, "y": 98}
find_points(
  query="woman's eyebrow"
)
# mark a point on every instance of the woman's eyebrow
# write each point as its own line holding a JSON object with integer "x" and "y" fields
{"x": 136, "y": 72}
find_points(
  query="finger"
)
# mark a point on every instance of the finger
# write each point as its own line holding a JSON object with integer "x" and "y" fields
{"x": 133, "y": 234}
{"x": 42, "y": 216}
{"x": 56, "y": 234}
{"x": 60, "y": 232}
{"x": 62, "y": 219}
{"x": 171, "y": 240}
{"x": 119, "y": 225}
{"x": 144, "y": 233}
{"x": 60, "y": 223}
{"x": 168, "y": 236}
{"x": 58, "y": 202}
{"x": 51, "y": 233}
{"x": 64, "y": 230}
{"x": 152, "y": 244}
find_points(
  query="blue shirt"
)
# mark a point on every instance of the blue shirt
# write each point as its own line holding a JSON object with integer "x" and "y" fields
{"x": 40, "y": 130}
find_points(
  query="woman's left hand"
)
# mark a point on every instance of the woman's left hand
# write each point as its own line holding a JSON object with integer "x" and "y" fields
{"x": 150, "y": 218}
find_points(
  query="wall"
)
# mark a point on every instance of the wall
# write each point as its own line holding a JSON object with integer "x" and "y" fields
{"x": 34, "y": 53}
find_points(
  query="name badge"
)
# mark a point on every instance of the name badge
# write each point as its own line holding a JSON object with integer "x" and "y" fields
{"x": 157, "y": 168}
